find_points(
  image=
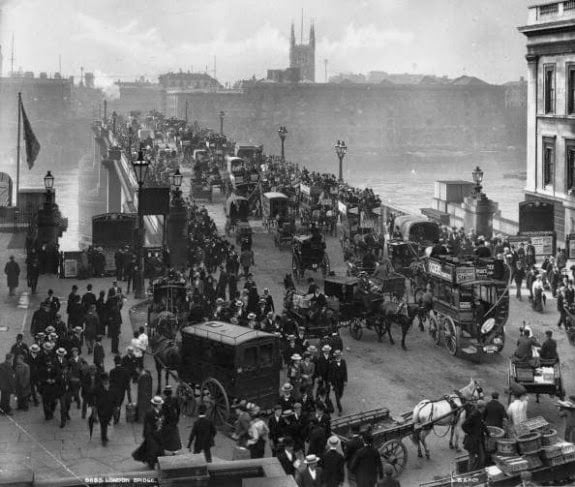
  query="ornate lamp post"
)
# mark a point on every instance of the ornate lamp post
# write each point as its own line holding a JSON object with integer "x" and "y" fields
{"x": 222, "y": 115}
{"x": 49, "y": 186}
{"x": 140, "y": 165}
{"x": 176, "y": 182}
{"x": 477, "y": 179}
{"x": 282, "y": 132}
{"x": 340, "y": 150}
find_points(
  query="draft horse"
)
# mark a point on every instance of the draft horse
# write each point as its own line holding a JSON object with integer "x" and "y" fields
{"x": 448, "y": 411}
{"x": 165, "y": 349}
{"x": 402, "y": 313}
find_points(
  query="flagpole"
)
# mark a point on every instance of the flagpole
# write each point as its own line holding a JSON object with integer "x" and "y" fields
{"x": 18, "y": 148}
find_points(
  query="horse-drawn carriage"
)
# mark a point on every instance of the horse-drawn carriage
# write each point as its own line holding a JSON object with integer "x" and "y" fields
{"x": 537, "y": 377}
{"x": 237, "y": 210}
{"x": 168, "y": 295}
{"x": 284, "y": 234}
{"x": 470, "y": 305}
{"x": 230, "y": 362}
{"x": 275, "y": 209}
{"x": 317, "y": 321}
{"x": 308, "y": 253}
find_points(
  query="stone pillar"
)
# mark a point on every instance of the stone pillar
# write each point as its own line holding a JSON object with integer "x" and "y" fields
{"x": 113, "y": 187}
{"x": 533, "y": 172}
{"x": 479, "y": 211}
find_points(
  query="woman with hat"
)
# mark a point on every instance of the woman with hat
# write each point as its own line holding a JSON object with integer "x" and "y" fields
{"x": 171, "y": 413}
{"x": 151, "y": 448}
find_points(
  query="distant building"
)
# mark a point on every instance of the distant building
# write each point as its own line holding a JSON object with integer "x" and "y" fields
{"x": 550, "y": 33}
{"x": 288, "y": 75}
{"x": 302, "y": 56}
{"x": 189, "y": 81}
{"x": 139, "y": 95}
{"x": 347, "y": 78}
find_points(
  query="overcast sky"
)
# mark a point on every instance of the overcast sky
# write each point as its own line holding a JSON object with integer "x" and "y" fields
{"x": 122, "y": 39}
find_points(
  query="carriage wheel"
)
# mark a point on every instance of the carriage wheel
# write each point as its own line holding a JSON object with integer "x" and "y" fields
{"x": 219, "y": 409}
{"x": 394, "y": 453}
{"x": 450, "y": 336}
{"x": 356, "y": 328}
{"x": 434, "y": 330}
{"x": 325, "y": 265}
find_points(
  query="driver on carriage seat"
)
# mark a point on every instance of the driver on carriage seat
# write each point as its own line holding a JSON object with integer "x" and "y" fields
{"x": 524, "y": 350}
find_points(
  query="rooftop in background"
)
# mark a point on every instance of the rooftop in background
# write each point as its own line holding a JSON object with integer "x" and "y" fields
{"x": 552, "y": 11}
{"x": 189, "y": 81}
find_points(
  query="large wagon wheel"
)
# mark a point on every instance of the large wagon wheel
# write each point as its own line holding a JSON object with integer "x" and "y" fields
{"x": 434, "y": 329}
{"x": 356, "y": 328}
{"x": 394, "y": 453}
{"x": 219, "y": 407}
{"x": 450, "y": 336}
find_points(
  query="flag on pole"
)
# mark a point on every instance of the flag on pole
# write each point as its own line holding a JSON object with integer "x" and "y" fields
{"x": 32, "y": 144}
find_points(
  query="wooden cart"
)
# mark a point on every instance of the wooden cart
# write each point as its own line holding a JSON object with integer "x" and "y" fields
{"x": 387, "y": 433}
{"x": 537, "y": 380}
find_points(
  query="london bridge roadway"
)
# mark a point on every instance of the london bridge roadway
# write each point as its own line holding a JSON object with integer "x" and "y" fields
{"x": 380, "y": 375}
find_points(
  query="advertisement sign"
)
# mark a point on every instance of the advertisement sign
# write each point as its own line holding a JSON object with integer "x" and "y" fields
{"x": 436, "y": 269}
{"x": 70, "y": 268}
{"x": 305, "y": 189}
{"x": 341, "y": 207}
{"x": 543, "y": 244}
{"x": 464, "y": 274}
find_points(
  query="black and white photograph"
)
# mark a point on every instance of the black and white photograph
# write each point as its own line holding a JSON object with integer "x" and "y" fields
{"x": 299, "y": 243}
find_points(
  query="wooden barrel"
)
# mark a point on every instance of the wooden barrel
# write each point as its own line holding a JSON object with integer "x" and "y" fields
{"x": 507, "y": 447}
{"x": 549, "y": 437}
{"x": 529, "y": 443}
{"x": 495, "y": 434}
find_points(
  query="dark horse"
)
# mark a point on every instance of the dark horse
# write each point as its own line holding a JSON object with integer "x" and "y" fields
{"x": 401, "y": 313}
{"x": 165, "y": 348}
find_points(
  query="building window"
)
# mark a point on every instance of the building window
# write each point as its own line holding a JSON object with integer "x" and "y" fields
{"x": 570, "y": 162}
{"x": 549, "y": 88}
{"x": 571, "y": 89}
{"x": 548, "y": 160}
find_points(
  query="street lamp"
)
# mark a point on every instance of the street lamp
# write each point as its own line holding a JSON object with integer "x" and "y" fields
{"x": 140, "y": 165}
{"x": 176, "y": 178}
{"x": 222, "y": 115}
{"x": 49, "y": 181}
{"x": 340, "y": 150}
{"x": 477, "y": 179}
{"x": 282, "y": 132}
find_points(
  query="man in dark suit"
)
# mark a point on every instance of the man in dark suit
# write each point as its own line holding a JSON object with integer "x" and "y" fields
{"x": 337, "y": 376}
{"x": 494, "y": 414}
{"x": 332, "y": 463}
{"x": 322, "y": 368}
{"x": 351, "y": 447}
{"x": 312, "y": 475}
{"x": 549, "y": 348}
{"x": 366, "y": 464}
{"x": 276, "y": 427}
{"x": 286, "y": 456}
{"x": 203, "y": 432}
{"x": 105, "y": 405}
{"x": 89, "y": 298}
{"x": 119, "y": 383}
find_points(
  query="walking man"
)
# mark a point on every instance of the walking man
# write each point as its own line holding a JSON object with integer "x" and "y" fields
{"x": 12, "y": 271}
{"x": 475, "y": 433}
{"x": 7, "y": 384}
{"x": 23, "y": 388}
{"x": 332, "y": 463}
{"x": 338, "y": 377}
{"x": 105, "y": 404}
{"x": 203, "y": 432}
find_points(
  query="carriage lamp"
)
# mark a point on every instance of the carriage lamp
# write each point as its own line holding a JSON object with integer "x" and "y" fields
{"x": 176, "y": 178}
{"x": 282, "y": 132}
{"x": 340, "y": 150}
{"x": 49, "y": 181}
{"x": 477, "y": 179}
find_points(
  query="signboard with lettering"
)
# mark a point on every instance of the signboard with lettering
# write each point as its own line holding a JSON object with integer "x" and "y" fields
{"x": 544, "y": 242}
{"x": 464, "y": 274}
{"x": 436, "y": 269}
{"x": 70, "y": 268}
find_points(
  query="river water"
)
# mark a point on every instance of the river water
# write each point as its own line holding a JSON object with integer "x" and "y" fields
{"x": 405, "y": 180}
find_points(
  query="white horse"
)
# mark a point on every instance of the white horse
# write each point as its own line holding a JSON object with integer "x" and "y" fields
{"x": 448, "y": 411}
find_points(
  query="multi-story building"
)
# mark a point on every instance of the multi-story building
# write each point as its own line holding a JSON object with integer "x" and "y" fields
{"x": 550, "y": 33}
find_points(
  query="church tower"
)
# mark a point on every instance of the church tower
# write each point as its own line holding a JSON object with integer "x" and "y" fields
{"x": 302, "y": 56}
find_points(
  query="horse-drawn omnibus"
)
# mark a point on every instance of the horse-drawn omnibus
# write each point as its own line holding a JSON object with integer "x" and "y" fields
{"x": 231, "y": 362}
{"x": 470, "y": 305}
{"x": 275, "y": 209}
